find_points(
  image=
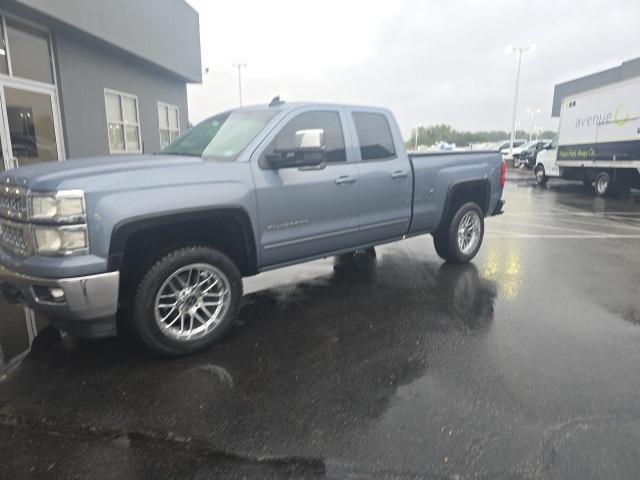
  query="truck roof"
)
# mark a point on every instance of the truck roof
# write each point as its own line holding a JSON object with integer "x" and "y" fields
{"x": 290, "y": 106}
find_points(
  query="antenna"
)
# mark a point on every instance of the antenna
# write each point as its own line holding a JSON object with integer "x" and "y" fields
{"x": 275, "y": 101}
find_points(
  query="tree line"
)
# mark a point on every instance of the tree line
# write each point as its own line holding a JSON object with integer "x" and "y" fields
{"x": 446, "y": 133}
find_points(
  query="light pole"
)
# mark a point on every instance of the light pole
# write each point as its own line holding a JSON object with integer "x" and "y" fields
{"x": 239, "y": 66}
{"x": 519, "y": 51}
{"x": 533, "y": 114}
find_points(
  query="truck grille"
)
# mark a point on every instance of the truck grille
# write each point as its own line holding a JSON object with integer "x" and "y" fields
{"x": 13, "y": 202}
{"x": 15, "y": 237}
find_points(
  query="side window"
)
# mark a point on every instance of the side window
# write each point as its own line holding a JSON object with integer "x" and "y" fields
{"x": 168, "y": 119}
{"x": 374, "y": 136}
{"x": 314, "y": 127}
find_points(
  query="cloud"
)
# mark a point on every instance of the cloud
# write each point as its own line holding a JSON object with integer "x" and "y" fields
{"x": 429, "y": 61}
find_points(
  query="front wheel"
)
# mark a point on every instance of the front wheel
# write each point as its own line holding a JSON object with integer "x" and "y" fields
{"x": 603, "y": 184}
{"x": 460, "y": 241}
{"x": 541, "y": 176}
{"x": 187, "y": 300}
{"x": 516, "y": 162}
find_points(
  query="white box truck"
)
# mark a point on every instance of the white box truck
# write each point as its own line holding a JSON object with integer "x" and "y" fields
{"x": 599, "y": 139}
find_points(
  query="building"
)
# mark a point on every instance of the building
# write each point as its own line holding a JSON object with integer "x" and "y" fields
{"x": 625, "y": 71}
{"x": 90, "y": 77}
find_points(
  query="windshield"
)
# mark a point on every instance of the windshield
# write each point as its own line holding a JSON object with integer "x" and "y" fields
{"x": 222, "y": 137}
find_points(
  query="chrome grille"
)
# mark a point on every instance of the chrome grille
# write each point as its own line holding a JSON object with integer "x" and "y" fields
{"x": 15, "y": 237}
{"x": 13, "y": 202}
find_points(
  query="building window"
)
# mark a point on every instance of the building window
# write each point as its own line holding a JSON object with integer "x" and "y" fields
{"x": 168, "y": 116}
{"x": 29, "y": 51}
{"x": 123, "y": 122}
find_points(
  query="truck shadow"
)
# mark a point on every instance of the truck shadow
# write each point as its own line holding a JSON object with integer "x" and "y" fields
{"x": 322, "y": 355}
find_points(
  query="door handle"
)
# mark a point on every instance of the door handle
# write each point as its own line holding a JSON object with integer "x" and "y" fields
{"x": 345, "y": 179}
{"x": 399, "y": 174}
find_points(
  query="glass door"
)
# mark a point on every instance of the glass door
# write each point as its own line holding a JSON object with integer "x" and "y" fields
{"x": 29, "y": 134}
{"x": 30, "y": 125}
{"x": 14, "y": 325}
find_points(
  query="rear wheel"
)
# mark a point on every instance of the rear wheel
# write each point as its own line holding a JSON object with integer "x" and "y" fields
{"x": 603, "y": 184}
{"x": 187, "y": 300}
{"x": 461, "y": 239}
{"x": 516, "y": 162}
{"x": 541, "y": 176}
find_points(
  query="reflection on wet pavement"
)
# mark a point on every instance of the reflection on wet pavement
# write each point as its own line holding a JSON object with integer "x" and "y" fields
{"x": 389, "y": 367}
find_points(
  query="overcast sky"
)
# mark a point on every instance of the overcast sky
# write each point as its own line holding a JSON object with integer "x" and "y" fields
{"x": 429, "y": 61}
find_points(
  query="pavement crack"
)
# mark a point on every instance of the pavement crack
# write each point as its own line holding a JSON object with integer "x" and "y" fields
{"x": 153, "y": 439}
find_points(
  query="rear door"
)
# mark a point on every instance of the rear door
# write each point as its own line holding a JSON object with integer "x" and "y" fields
{"x": 385, "y": 178}
{"x": 308, "y": 211}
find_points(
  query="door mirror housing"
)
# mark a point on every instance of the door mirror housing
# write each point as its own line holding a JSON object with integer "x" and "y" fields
{"x": 297, "y": 157}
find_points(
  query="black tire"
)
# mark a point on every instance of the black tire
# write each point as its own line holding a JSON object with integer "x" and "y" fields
{"x": 441, "y": 244}
{"x": 143, "y": 314}
{"x": 603, "y": 184}
{"x": 541, "y": 176}
{"x": 445, "y": 240}
{"x": 516, "y": 162}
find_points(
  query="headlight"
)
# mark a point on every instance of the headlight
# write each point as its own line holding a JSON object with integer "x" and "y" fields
{"x": 63, "y": 206}
{"x": 60, "y": 240}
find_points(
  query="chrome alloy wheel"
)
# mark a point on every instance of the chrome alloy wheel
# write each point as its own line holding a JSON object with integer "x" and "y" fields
{"x": 469, "y": 231}
{"x": 192, "y": 302}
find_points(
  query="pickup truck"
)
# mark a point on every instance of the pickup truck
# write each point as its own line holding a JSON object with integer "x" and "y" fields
{"x": 159, "y": 244}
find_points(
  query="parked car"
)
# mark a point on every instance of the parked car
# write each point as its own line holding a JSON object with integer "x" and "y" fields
{"x": 599, "y": 140}
{"x": 162, "y": 241}
{"x": 529, "y": 152}
{"x": 506, "y": 151}
{"x": 500, "y": 145}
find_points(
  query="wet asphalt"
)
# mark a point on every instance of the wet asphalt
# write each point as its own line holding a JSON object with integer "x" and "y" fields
{"x": 523, "y": 364}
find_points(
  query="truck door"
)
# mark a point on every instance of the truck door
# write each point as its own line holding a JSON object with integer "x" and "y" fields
{"x": 306, "y": 211}
{"x": 385, "y": 179}
{"x": 548, "y": 158}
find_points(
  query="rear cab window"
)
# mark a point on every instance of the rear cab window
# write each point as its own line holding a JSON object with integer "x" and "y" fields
{"x": 374, "y": 136}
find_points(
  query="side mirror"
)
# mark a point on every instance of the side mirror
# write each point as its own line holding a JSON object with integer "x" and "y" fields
{"x": 297, "y": 157}
{"x": 310, "y": 151}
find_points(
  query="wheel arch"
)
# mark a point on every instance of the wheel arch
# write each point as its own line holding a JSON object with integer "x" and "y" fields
{"x": 195, "y": 223}
{"x": 477, "y": 191}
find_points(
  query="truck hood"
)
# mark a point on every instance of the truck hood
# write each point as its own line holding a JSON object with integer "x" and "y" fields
{"x": 84, "y": 173}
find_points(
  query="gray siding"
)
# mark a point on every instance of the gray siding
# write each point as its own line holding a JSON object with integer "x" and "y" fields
{"x": 164, "y": 32}
{"x": 85, "y": 69}
{"x": 626, "y": 71}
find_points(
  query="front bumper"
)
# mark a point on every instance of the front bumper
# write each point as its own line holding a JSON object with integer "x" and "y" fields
{"x": 87, "y": 308}
{"x": 527, "y": 160}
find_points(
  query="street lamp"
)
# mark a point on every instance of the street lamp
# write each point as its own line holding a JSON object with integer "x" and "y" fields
{"x": 533, "y": 114}
{"x": 519, "y": 50}
{"x": 417, "y": 129}
{"x": 239, "y": 66}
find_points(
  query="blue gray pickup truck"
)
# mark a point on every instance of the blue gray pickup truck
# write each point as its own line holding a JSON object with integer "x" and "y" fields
{"x": 161, "y": 242}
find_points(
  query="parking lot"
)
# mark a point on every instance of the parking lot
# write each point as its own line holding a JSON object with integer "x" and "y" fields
{"x": 523, "y": 364}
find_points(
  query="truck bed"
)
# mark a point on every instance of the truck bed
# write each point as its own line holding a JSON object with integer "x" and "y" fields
{"x": 435, "y": 172}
